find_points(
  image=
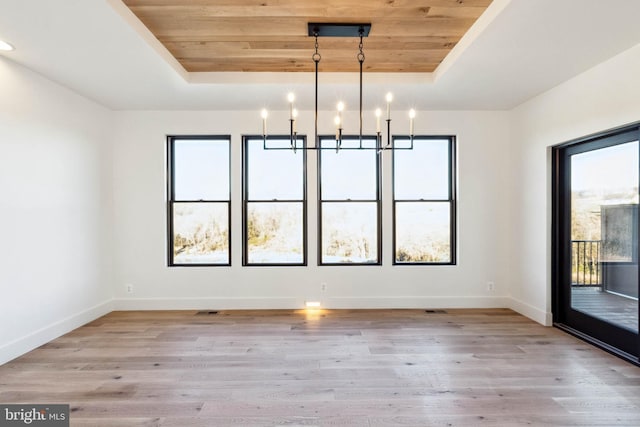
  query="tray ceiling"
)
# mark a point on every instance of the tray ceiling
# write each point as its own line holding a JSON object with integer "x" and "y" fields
{"x": 411, "y": 36}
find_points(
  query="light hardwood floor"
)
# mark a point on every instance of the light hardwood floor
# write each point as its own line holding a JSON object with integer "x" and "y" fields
{"x": 338, "y": 367}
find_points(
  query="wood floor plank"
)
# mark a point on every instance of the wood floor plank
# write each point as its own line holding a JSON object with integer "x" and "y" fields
{"x": 329, "y": 367}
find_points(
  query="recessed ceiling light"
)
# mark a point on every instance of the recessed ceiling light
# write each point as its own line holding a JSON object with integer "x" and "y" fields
{"x": 5, "y": 46}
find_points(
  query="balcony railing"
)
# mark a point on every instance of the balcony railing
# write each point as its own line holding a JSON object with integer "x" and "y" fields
{"x": 585, "y": 263}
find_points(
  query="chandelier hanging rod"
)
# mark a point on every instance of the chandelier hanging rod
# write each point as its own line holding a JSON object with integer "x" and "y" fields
{"x": 316, "y": 30}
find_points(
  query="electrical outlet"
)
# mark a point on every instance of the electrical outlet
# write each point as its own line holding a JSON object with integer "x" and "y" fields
{"x": 323, "y": 286}
{"x": 491, "y": 286}
{"x": 129, "y": 288}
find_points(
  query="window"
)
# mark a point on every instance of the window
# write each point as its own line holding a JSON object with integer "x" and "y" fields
{"x": 199, "y": 200}
{"x": 349, "y": 208}
{"x": 596, "y": 238}
{"x": 424, "y": 201}
{"x": 274, "y": 202}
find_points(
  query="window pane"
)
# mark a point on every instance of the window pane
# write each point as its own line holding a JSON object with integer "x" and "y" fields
{"x": 201, "y": 169}
{"x": 280, "y": 143}
{"x": 274, "y": 174}
{"x": 423, "y": 232}
{"x": 423, "y": 172}
{"x": 275, "y": 233}
{"x": 201, "y": 233}
{"x": 348, "y": 174}
{"x": 349, "y": 232}
{"x": 604, "y": 233}
{"x": 604, "y": 199}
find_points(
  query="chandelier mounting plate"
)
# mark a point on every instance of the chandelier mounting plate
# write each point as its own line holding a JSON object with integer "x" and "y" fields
{"x": 324, "y": 29}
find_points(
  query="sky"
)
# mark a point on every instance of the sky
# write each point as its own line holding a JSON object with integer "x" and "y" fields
{"x": 611, "y": 168}
{"x": 202, "y": 171}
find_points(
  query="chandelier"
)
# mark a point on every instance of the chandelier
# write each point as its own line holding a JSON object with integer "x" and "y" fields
{"x": 317, "y": 30}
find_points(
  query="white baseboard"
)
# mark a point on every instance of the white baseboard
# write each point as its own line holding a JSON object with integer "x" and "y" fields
{"x": 298, "y": 303}
{"x": 416, "y": 302}
{"x": 23, "y": 345}
{"x": 129, "y": 304}
{"x": 533, "y": 313}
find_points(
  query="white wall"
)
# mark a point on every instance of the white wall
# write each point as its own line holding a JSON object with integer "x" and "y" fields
{"x": 601, "y": 98}
{"x": 54, "y": 248}
{"x": 140, "y": 224}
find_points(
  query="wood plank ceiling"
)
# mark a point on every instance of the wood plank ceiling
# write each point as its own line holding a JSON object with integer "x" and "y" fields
{"x": 272, "y": 35}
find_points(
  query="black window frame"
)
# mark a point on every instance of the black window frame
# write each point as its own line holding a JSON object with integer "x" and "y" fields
{"x": 246, "y": 201}
{"x": 171, "y": 200}
{"x": 451, "y": 198}
{"x": 378, "y": 200}
{"x": 602, "y": 333}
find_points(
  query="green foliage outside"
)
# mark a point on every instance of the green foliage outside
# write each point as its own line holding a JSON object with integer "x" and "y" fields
{"x": 274, "y": 232}
{"x": 199, "y": 230}
{"x": 350, "y": 246}
{"x": 261, "y": 229}
{"x": 426, "y": 251}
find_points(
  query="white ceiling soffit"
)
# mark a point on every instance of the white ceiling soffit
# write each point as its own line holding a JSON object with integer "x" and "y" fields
{"x": 507, "y": 58}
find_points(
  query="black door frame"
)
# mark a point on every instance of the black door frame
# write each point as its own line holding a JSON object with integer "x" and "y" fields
{"x": 611, "y": 338}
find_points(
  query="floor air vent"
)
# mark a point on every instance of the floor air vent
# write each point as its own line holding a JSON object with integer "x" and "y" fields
{"x": 206, "y": 313}
{"x": 436, "y": 311}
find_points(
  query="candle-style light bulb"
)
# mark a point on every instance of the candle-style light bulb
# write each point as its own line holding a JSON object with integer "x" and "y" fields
{"x": 412, "y": 115}
{"x": 291, "y": 97}
{"x": 337, "y": 121}
{"x": 264, "y": 115}
{"x": 378, "y": 114}
{"x": 389, "y": 99}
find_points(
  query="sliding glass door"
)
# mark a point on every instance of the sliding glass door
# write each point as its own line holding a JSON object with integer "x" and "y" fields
{"x": 596, "y": 239}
